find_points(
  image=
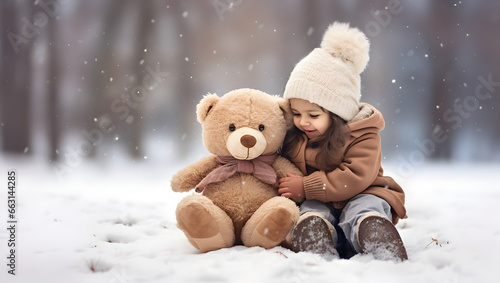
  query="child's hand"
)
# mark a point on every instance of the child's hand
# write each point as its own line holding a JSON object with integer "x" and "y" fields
{"x": 291, "y": 186}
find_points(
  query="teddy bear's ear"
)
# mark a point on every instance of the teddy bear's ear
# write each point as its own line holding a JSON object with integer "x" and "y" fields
{"x": 206, "y": 104}
{"x": 287, "y": 112}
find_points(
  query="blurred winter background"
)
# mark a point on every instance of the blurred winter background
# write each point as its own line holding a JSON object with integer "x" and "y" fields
{"x": 95, "y": 80}
{"x": 100, "y": 80}
{"x": 97, "y": 111}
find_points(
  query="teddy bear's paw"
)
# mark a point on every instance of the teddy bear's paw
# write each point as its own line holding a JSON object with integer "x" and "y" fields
{"x": 207, "y": 228}
{"x": 270, "y": 230}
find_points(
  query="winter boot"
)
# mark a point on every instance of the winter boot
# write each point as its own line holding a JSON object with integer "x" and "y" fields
{"x": 313, "y": 233}
{"x": 378, "y": 236}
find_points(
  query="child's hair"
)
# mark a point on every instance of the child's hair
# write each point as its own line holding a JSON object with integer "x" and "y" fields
{"x": 332, "y": 142}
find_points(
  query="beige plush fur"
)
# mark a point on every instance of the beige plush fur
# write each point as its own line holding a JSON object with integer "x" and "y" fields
{"x": 270, "y": 224}
{"x": 199, "y": 215}
{"x": 241, "y": 209}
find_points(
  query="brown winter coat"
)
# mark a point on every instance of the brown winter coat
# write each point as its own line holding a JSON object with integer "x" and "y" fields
{"x": 359, "y": 167}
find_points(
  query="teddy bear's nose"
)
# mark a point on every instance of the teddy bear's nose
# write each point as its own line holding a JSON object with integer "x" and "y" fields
{"x": 248, "y": 141}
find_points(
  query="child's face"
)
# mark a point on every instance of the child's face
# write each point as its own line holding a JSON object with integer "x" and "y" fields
{"x": 309, "y": 117}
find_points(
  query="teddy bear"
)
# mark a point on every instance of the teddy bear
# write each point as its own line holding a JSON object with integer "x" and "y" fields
{"x": 237, "y": 200}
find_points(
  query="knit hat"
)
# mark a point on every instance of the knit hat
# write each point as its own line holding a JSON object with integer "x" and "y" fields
{"x": 329, "y": 76}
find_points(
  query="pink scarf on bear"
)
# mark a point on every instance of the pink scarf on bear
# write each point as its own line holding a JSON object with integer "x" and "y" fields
{"x": 260, "y": 167}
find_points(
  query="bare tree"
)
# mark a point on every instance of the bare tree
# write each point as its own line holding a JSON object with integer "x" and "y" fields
{"x": 440, "y": 27}
{"x": 53, "y": 83}
{"x": 15, "y": 75}
{"x": 111, "y": 17}
{"x": 141, "y": 40}
{"x": 186, "y": 96}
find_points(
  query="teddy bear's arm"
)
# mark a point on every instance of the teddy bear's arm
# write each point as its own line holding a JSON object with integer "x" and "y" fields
{"x": 283, "y": 166}
{"x": 187, "y": 178}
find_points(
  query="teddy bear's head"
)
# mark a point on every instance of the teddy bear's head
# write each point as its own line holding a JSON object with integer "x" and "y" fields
{"x": 243, "y": 123}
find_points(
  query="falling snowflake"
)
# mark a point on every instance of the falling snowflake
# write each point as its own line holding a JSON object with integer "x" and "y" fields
{"x": 310, "y": 31}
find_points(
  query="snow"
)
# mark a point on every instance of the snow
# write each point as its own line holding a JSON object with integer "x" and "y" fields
{"x": 115, "y": 222}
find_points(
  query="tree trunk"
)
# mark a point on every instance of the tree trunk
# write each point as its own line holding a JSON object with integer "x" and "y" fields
{"x": 186, "y": 96}
{"x": 143, "y": 32}
{"x": 442, "y": 23}
{"x": 53, "y": 111}
{"x": 15, "y": 76}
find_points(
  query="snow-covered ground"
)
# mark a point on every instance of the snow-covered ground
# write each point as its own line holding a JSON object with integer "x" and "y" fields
{"x": 115, "y": 223}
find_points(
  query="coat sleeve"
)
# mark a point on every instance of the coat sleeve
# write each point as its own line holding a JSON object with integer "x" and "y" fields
{"x": 358, "y": 170}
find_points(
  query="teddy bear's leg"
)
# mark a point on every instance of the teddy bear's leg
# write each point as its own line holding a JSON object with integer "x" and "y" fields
{"x": 206, "y": 226}
{"x": 270, "y": 224}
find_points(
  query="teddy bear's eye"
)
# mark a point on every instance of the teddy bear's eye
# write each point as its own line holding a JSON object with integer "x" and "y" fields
{"x": 261, "y": 127}
{"x": 232, "y": 127}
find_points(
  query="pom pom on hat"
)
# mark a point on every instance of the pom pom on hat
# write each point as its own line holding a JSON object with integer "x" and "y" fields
{"x": 349, "y": 44}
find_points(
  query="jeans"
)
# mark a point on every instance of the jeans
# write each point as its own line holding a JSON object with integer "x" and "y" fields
{"x": 345, "y": 220}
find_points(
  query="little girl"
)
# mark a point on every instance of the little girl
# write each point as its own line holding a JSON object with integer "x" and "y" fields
{"x": 350, "y": 206}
